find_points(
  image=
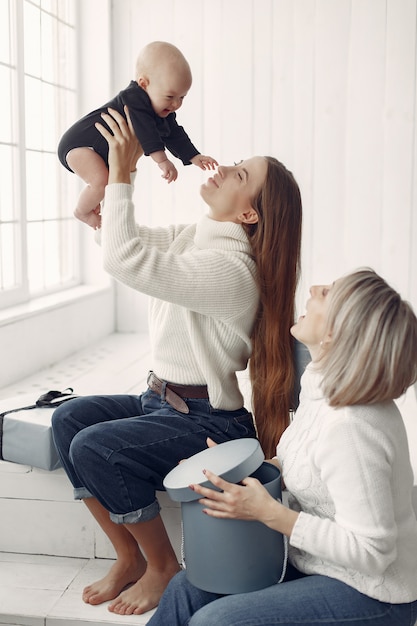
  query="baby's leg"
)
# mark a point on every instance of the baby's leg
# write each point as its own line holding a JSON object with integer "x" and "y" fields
{"x": 91, "y": 168}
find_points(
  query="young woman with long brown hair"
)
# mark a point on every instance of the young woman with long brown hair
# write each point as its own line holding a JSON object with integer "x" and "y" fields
{"x": 210, "y": 286}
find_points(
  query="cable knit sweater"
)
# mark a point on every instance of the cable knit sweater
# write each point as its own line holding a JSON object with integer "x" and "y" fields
{"x": 348, "y": 471}
{"x": 202, "y": 282}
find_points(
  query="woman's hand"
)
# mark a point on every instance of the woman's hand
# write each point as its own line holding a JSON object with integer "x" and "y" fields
{"x": 124, "y": 146}
{"x": 247, "y": 501}
{"x": 243, "y": 501}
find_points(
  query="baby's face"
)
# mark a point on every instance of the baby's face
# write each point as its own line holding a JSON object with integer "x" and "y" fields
{"x": 166, "y": 92}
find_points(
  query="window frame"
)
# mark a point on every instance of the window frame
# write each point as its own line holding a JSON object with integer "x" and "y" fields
{"x": 21, "y": 290}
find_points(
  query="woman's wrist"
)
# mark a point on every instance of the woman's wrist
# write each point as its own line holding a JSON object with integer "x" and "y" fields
{"x": 119, "y": 175}
{"x": 279, "y": 517}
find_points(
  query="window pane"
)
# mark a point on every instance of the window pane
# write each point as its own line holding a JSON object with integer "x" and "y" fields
{"x": 8, "y": 183}
{"x": 36, "y": 260}
{"x": 42, "y": 187}
{"x": 66, "y": 66}
{"x": 6, "y": 104}
{"x": 50, "y": 254}
{"x": 8, "y": 256}
{"x": 66, "y": 11}
{"x": 49, "y": 5}
{"x": 48, "y": 28}
{"x": 41, "y": 123}
{"x": 5, "y": 32}
{"x": 34, "y": 185}
{"x": 32, "y": 40}
{"x": 67, "y": 191}
{"x": 48, "y": 119}
{"x": 33, "y": 109}
{"x": 38, "y": 233}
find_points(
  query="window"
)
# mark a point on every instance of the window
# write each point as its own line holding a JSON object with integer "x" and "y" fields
{"x": 38, "y": 233}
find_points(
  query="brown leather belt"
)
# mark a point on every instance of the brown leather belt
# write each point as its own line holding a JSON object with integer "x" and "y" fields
{"x": 174, "y": 394}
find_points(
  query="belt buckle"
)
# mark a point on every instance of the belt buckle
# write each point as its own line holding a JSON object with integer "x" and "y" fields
{"x": 173, "y": 399}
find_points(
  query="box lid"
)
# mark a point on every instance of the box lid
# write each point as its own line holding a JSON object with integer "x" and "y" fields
{"x": 232, "y": 460}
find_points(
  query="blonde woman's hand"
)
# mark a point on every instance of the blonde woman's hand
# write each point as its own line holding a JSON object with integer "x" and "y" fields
{"x": 247, "y": 501}
{"x": 243, "y": 501}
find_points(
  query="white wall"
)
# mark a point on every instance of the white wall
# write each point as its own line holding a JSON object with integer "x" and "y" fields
{"x": 326, "y": 86}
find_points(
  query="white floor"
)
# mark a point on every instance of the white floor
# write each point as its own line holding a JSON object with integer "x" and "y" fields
{"x": 46, "y": 591}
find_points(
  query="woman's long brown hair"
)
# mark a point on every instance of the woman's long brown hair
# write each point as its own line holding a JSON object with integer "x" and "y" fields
{"x": 276, "y": 246}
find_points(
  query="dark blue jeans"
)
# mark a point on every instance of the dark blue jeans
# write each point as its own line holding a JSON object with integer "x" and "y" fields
{"x": 119, "y": 448}
{"x": 298, "y": 601}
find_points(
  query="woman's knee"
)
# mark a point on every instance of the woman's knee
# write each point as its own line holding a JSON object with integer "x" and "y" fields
{"x": 77, "y": 414}
{"x": 83, "y": 443}
{"x": 58, "y": 416}
{"x": 204, "y": 616}
{"x": 62, "y": 425}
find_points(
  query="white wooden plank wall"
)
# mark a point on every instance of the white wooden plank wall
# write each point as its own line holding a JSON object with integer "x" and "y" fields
{"x": 326, "y": 86}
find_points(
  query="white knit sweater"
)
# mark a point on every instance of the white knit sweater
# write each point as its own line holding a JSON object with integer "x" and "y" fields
{"x": 348, "y": 472}
{"x": 204, "y": 295}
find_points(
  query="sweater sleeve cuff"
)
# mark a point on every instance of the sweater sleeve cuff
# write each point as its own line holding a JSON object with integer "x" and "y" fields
{"x": 117, "y": 191}
{"x": 298, "y": 531}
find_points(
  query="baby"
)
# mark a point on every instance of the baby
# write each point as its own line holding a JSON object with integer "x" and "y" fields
{"x": 163, "y": 78}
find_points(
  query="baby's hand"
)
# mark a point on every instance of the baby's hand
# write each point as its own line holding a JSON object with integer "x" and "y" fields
{"x": 93, "y": 218}
{"x": 204, "y": 162}
{"x": 169, "y": 171}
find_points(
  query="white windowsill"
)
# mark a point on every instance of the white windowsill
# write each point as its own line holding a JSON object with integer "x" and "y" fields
{"x": 37, "y": 306}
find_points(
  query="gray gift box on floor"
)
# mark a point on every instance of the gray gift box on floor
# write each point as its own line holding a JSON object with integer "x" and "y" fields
{"x": 227, "y": 555}
{"x": 27, "y": 434}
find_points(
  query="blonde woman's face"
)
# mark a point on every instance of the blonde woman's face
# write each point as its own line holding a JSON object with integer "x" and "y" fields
{"x": 311, "y": 327}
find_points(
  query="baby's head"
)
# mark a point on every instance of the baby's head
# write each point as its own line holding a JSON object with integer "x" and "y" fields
{"x": 164, "y": 73}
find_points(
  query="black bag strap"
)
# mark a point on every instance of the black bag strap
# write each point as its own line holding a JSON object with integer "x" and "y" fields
{"x": 55, "y": 398}
{"x": 49, "y": 399}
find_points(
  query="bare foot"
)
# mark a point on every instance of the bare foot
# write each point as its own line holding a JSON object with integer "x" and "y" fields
{"x": 119, "y": 576}
{"x": 93, "y": 218}
{"x": 145, "y": 594}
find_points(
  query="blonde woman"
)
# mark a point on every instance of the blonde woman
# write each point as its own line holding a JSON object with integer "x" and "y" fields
{"x": 350, "y": 524}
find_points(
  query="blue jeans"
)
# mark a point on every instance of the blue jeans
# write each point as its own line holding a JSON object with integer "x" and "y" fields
{"x": 299, "y": 600}
{"x": 119, "y": 448}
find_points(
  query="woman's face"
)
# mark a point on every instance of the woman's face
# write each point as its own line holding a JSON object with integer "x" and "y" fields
{"x": 311, "y": 327}
{"x": 229, "y": 192}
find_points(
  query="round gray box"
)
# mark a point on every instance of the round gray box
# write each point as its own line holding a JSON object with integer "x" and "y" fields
{"x": 227, "y": 555}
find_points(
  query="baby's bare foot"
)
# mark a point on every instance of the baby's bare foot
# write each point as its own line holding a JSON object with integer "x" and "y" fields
{"x": 110, "y": 586}
{"x": 145, "y": 594}
{"x": 93, "y": 218}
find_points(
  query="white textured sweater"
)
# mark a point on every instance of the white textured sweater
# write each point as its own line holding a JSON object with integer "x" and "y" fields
{"x": 348, "y": 471}
{"x": 201, "y": 280}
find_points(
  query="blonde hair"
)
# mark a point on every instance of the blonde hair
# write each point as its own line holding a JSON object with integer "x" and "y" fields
{"x": 276, "y": 243}
{"x": 372, "y": 353}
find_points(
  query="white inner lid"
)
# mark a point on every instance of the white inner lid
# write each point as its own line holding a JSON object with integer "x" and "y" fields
{"x": 232, "y": 460}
